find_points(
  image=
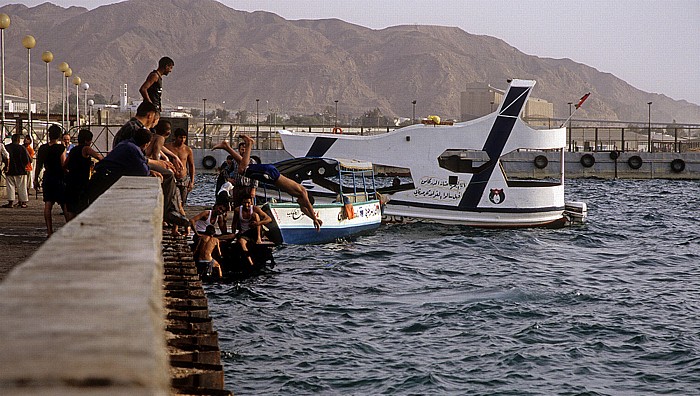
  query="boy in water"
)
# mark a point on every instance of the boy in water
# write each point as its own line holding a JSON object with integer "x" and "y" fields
{"x": 269, "y": 174}
{"x": 205, "y": 247}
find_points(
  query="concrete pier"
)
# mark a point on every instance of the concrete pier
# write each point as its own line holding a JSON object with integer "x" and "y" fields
{"x": 87, "y": 312}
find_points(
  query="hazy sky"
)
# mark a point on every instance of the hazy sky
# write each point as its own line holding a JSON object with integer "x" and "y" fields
{"x": 652, "y": 44}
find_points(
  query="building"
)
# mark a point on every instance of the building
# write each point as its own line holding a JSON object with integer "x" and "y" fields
{"x": 479, "y": 99}
{"x": 18, "y": 104}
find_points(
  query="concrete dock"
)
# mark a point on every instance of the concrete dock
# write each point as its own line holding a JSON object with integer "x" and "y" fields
{"x": 108, "y": 305}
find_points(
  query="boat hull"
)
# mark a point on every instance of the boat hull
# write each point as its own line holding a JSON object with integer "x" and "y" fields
{"x": 291, "y": 226}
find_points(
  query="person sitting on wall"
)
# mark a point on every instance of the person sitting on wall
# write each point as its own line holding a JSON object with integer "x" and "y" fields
{"x": 127, "y": 159}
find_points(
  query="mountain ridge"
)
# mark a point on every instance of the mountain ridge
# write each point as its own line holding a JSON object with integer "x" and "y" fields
{"x": 301, "y": 66}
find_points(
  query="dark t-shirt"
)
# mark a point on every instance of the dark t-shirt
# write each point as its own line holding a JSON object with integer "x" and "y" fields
{"x": 19, "y": 158}
{"x": 49, "y": 157}
{"x": 155, "y": 91}
{"x": 78, "y": 168}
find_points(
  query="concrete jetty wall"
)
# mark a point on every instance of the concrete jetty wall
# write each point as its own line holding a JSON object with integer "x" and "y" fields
{"x": 522, "y": 165}
{"x": 606, "y": 165}
{"x": 84, "y": 314}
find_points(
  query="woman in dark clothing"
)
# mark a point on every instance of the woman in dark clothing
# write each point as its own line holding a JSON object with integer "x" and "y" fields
{"x": 78, "y": 168}
{"x": 51, "y": 156}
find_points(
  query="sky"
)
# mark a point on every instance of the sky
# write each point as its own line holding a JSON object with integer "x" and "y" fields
{"x": 652, "y": 44}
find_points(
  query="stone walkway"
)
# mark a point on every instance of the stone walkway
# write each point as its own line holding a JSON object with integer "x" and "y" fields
{"x": 22, "y": 231}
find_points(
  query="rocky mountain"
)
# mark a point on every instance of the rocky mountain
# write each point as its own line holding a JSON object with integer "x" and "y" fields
{"x": 233, "y": 57}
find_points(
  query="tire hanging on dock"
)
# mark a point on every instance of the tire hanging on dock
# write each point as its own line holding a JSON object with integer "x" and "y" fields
{"x": 208, "y": 162}
{"x": 614, "y": 155}
{"x": 587, "y": 160}
{"x": 635, "y": 162}
{"x": 677, "y": 165}
{"x": 541, "y": 162}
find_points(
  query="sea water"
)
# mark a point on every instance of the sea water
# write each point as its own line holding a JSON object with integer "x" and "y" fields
{"x": 608, "y": 308}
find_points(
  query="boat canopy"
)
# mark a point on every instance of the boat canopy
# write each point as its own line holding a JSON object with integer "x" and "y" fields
{"x": 308, "y": 168}
{"x": 355, "y": 165}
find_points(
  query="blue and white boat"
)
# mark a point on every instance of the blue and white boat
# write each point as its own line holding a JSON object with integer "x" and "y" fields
{"x": 355, "y": 209}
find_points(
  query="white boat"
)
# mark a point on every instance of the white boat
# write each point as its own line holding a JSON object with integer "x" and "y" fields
{"x": 456, "y": 172}
{"x": 355, "y": 209}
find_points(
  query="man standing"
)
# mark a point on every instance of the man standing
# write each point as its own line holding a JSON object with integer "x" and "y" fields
{"x": 51, "y": 157}
{"x": 152, "y": 88}
{"x": 184, "y": 179}
{"x": 16, "y": 172}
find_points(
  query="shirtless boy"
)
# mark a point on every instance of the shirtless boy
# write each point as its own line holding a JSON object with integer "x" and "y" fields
{"x": 205, "y": 247}
{"x": 184, "y": 178}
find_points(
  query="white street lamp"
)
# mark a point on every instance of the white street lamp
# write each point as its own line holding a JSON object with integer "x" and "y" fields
{"x": 85, "y": 86}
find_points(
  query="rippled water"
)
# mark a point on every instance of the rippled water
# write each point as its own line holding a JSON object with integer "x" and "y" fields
{"x": 610, "y": 308}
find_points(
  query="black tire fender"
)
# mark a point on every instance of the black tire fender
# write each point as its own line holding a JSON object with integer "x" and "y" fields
{"x": 614, "y": 155}
{"x": 635, "y": 162}
{"x": 541, "y": 162}
{"x": 209, "y": 162}
{"x": 677, "y": 165}
{"x": 587, "y": 160}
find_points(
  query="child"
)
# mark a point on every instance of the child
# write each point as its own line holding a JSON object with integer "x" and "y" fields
{"x": 205, "y": 246}
{"x": 248, "y": 220}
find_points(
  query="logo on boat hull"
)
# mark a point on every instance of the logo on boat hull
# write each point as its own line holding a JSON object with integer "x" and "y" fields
{"x": 497, "y": 196}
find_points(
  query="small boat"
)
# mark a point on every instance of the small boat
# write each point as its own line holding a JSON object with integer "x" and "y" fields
{"x": 356, "y": 208}
{"x": 456, "y": 172}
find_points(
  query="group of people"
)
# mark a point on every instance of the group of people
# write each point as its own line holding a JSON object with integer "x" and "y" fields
{"x": 71, "y": 179}
{"x": 235, "y": 192}
{"x": 66, "y": 170}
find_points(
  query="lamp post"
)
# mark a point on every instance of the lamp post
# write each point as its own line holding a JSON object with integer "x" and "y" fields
{"x": 336, "y": 113}
{"x": 90, "y": 103}
{"x": 651, "y": 148}
{"x": 85, "y": 86}
{"x": 257, "y": 122}
{"x": 4, "y": 24}
{"x": 29, "y": 42}
{"x": 47, "y": 57}
{"x": 204, "y": 105}
{"x": 413, "y": 120}
{"x": 570, "y": 103}
{"x": 77, "y": 81}
{"x": 63, "y": 67}
{"x": 66, "y": 75}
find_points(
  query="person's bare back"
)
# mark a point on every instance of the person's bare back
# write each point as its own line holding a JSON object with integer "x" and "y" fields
{"x": 206, "y": 246}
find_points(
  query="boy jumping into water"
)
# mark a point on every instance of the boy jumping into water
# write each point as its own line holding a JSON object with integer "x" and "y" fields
{"x": 269, "y": 174}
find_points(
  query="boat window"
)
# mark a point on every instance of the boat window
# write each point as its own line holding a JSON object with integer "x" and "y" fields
{"x": 532, "y": 168}
{"x": 463, "y": 160}
{"x": 392, "y": 179}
